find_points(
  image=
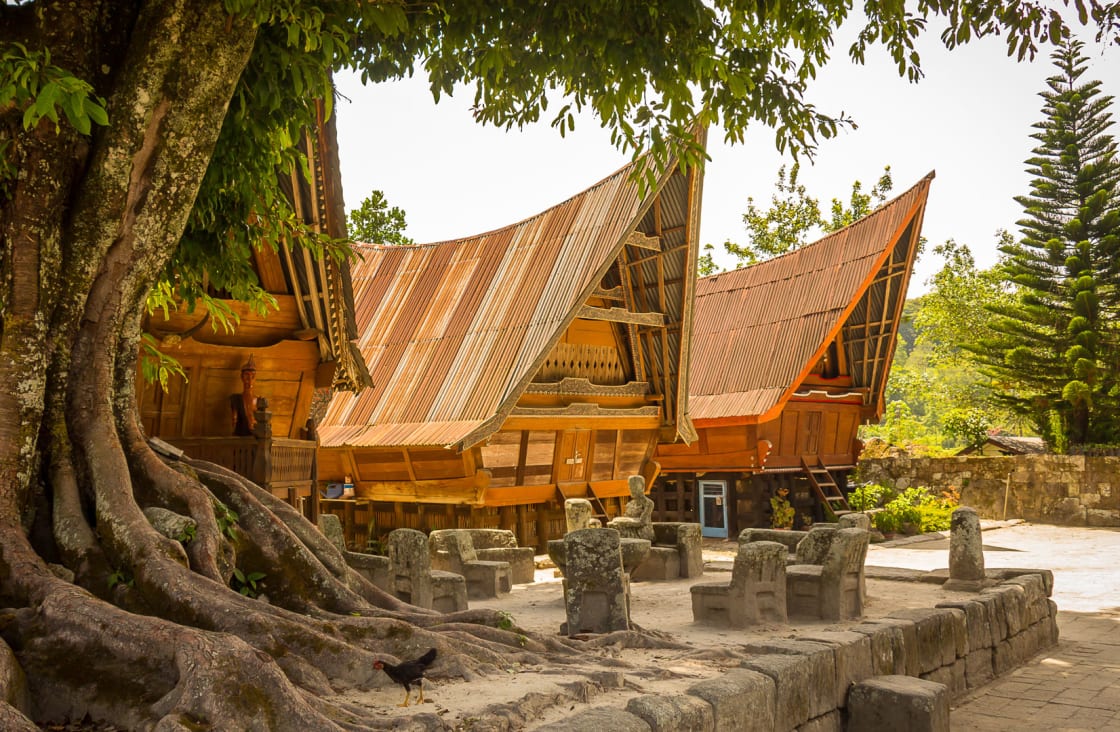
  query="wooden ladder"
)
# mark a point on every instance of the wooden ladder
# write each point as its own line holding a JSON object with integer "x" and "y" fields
{"x": 828, "y": 493}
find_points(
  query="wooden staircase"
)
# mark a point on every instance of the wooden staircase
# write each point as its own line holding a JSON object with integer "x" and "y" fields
{"x": 598, "y": 510}
{"x": 824, "y": 486}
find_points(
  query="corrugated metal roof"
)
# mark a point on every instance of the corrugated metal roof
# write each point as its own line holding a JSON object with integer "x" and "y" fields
{"x": 757, "y": 329}
{"x": 452, "y": 332}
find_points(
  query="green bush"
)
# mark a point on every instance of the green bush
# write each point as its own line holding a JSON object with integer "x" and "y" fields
{"x": 917, "y": 510}
{"x": 869, "y": 496}
{"x": 901, "y": 512}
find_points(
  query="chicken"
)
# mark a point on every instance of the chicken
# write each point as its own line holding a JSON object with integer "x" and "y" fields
{"x": 408, "y": 673}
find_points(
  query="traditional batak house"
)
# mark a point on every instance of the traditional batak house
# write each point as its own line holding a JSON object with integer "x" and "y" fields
{"x": 524, "y": 366}
{"x": 789, "y": 357}
{"x": 302, "y": 349}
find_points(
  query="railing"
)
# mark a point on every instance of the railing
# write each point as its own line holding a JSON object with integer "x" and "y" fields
{"x": 284, "y": 466}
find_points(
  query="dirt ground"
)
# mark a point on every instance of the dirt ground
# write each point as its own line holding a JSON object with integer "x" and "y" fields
{"x": 543, "y": 695}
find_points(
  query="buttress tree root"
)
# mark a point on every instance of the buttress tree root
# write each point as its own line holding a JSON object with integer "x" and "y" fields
{"x": 250, "y": 619}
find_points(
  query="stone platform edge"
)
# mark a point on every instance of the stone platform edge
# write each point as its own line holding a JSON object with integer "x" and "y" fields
{"x": 802, "y": 684}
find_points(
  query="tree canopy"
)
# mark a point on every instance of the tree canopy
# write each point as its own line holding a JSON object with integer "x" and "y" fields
{"x": 376, "y": 222}
{"x": 793, "y": 217}
{"x": 1054, "y": 347}
{"x": 141, "y": 142}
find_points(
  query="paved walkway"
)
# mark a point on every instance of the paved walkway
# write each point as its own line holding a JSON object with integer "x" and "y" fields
{"x": 1074, "y": 686}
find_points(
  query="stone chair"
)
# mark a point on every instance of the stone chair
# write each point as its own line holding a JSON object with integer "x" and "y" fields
{"x": 374, "y": 568}
{"x": 756, "y": 593}
{"x": 786, "y": 537}
{"x": 577, "y": 514}
{"x": 677, "y": 551}
{"x": 412, "y": 579}
{"x": 500, "y": 545}
{"x": 596, "y": 587}
{"x": 453, "y": 550}
{"x": 814, "y": 547}
{"x": 830, "y": 591}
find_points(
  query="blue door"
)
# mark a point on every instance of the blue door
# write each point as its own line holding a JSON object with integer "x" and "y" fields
{"x": 713, "y": 508}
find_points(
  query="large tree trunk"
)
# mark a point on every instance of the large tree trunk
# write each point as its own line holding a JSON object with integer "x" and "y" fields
{"x": 106, "y": 616}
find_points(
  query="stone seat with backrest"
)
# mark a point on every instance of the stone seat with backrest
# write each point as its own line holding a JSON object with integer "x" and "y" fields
{"x": 491, "y": 545}
{"x": 676, "y": 551}
{"x": 453, "y": 550}
{"x": 786, "y": 537}
{"x": 756, "y": 593}
{"x": 374, "y": 568}
{"x": 831, "y": 590}
{"x": 596, "y": 585}
{"x": 412, "y": 579}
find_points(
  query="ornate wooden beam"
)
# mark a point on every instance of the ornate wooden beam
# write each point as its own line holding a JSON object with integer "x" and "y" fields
{"x": 640, "y": 240}
{"x": 622, "y": 315}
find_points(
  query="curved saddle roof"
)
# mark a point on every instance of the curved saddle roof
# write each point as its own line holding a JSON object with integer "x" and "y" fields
{"x": 759, "y": 330}
{"x": 453, "y": 332}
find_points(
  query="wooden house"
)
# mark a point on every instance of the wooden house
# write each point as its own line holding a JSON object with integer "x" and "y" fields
{"x": 790, "y": 356}
{"x": 301, "y": 351}
{"x": 520, "y": 367}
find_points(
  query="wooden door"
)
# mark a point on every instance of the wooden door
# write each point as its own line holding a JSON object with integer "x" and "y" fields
{"x": 572, "y": 456}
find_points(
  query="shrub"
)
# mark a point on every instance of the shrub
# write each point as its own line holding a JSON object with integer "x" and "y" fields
{"x": 871, "y": 495}
{"x": 900, "y": 513}
{"x": 916, "y": 509}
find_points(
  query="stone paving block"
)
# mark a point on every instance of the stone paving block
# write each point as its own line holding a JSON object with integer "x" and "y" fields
{"x": 1006, "y": 573}
{"x": 823, "y": 685}
{"x": 958, "y": 683}
{"x": 1023, "y": 645}
{"x": 852, "y": 652}
{"x": 673, "y": 713}
{"x": 896, "y": 703}
{"x": 792, "y": 677}
{"x": 978, "y": 626}
{"x": 978, "y": 668}
{"x": 997, "y": 617}
{"x": 1004, "y": 658}
{"x": 888, "y": 647}
{"x": 942, "y": 675}
{"x": 597, "y": 719}
{"x": 1014, "y": 605}
{"x": 830, "y": 722}
{"x": 741, "y": 700}
{"x": 957, "y": 623}
{"x": 1035, "y": 596}
{"x": 936, "y": 644}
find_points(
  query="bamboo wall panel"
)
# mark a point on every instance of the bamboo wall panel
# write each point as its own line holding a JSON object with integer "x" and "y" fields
{"x": 429, "y": 464}
{"x": 603, "y": 455}
{"x": 539, "y": 455}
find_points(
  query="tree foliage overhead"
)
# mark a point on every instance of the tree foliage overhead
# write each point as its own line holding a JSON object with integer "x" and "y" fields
{"x": 376, "y": 222}
{"x": 1055, "y": 348}
{"x": 794, "y": 216}
{"x": 141, "y": 143}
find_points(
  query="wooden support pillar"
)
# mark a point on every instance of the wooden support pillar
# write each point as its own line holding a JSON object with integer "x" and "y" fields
{"x": 262, "y": 458}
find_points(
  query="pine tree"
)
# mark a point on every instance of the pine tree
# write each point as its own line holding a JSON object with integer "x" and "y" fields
{"x": 1057, "y": 344}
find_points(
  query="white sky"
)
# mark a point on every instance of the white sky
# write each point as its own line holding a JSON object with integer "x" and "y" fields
{"x": 969, "y": 119}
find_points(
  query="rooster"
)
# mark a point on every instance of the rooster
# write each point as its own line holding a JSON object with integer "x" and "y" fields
{"x": 408, "y": 673}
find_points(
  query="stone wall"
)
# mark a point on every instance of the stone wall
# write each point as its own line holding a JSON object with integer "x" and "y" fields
{"x": 1074, "y": 490}
{"x": 802, "y": 683}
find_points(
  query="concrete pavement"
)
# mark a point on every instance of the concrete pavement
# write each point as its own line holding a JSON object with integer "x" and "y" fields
{"x": 1074, "y": 686}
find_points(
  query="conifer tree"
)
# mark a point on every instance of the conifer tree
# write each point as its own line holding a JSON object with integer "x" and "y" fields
{"x": 1056, "y": 345}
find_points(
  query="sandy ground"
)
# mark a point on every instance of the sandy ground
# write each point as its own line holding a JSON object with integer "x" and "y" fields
{"x": 548, "y": 694}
